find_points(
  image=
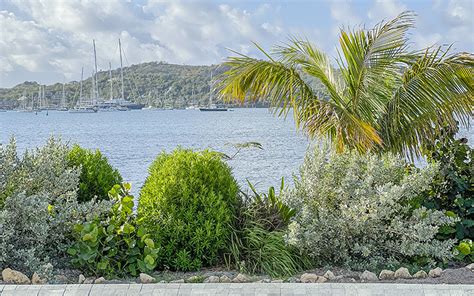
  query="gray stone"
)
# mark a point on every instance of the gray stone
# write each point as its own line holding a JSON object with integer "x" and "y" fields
{"x": 277, "y": 281}
{"x": 212, "y": 279}
{"x": 312, "y": 278}
{"x": 37, "y": 280}
{"x": 89, "y": 280}
{"x": 421, "y": 274}
{"x": 61, "y": 279}
{"x": 225, "y": 279}
{"x": 470, "y": 266}
{"x": 194, "y": 279}
{"x": 11, "y": 276}
{"x": 402, "y": 273}
{"x": 329, "y": 275}
{"x": 180, "y": 281}
{"x": 241, "y": 278}
{"x": 368, "y": 276}
{"x": 146, "y": 279}
{"x": 435, "y": 272}
{"x": 386, "y": 275}
{"x": 82, "y": 279}
{"x": 100, "y": 280}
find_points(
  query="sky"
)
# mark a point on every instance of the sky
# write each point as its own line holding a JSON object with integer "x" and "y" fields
{"x": 50, "y": 40}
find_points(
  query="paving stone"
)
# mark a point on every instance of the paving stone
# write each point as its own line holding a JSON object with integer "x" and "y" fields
{"x": 109, "y": 290}
{"x": 52, "y": 290}
{"x": 244, "y": 289}
{"x": 77, "y": 290}
{"x": 134, "y": 289}
{"x": 22, "y": 290}
{"x": 165, "y": 292}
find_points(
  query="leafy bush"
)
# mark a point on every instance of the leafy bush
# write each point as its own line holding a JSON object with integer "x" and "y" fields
{"x": 451, "y": 189}
{"x": 187, "y": 203}
{"x": 40, "y": 207}
{"x": 42, "y": 170}
{"x": 258, "y": 243}
{"x": 97, "y": 175}
{"x": 357, "y": 211}
{"x": 113, "y": 244}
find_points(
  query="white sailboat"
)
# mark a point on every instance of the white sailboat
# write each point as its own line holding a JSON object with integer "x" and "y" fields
{"x": 63, "y": 107}
{"x": 121, "y": 103}
{"x": 212, "y": 107}
{"x": 80, "y": 107}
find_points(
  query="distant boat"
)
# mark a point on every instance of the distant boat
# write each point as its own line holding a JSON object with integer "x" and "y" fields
{"x": 80, "y": 107}
{"x": 83, "y": 109}
{"x": 212, "y": 107}
{"x": 63, "y": 107}
{"x": 120, "y": 104}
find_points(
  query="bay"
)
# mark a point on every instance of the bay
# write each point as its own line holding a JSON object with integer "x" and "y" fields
{"x": 132, "y": 139}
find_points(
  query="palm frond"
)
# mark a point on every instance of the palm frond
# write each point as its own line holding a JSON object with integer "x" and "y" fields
{"x": 370, "y": 62}
{"x": 437, "y": 90}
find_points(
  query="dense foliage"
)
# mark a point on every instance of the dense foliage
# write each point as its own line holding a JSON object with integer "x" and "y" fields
{"x": 43, "y": 170}
{"x": 39, "y": 207}
{"x": 382, "y": 97}
{"x": 187, "y": 203}
{"x": 452, "y": 188}
{"x": 113, "y": 244}
{"x": 258, "y": 243}
{"x": 97, "y": 175}
{"x": 359, "y": 211}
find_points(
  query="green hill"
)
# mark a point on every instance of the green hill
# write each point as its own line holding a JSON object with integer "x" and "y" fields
{"x": 156, "y": 84}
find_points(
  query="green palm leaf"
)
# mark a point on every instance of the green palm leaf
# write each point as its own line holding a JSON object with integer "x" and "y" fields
{"x": 382, "y": 97}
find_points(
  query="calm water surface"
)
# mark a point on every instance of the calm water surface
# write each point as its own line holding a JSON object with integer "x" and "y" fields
{"x": 131, "y": 140}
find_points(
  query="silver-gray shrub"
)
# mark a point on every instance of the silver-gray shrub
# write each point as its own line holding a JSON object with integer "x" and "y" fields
{"x": 38, "y": 206}
{"x": 360, "y": 211}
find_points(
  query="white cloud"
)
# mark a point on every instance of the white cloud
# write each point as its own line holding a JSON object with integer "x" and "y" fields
{"x": 385, "y": 9}
{"x": 46, "y": 39}
{"x": 56, "y": 35}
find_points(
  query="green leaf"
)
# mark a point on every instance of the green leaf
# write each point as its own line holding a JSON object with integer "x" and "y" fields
{"x": 72, "y": 251}
{"x": 150, "y": 243}
{"x": 464, "y": 248}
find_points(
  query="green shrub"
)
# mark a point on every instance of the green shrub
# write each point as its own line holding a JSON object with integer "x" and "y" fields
{"x": 113, "y": 244}
{"x": 42, "y": 170}
{"x": 188, "y": 203}
{"x": 40, "y": 207}
{"x": 357, "y": 211}
{"x": 258, "y": 243}
{"x": 97, "y": 175}
{"x": 452, "y": 187}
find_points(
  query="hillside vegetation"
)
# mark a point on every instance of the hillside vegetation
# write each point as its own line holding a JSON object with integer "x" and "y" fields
{"x": 156, "y": 83}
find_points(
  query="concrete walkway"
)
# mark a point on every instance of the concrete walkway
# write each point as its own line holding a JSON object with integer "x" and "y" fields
{"x": 251, "y": 289}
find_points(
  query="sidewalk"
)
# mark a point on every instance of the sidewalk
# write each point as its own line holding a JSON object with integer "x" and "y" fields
{"x": 251, "y": 289}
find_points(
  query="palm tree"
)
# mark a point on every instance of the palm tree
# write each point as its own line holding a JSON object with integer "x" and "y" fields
{"x": 380, "y": 97}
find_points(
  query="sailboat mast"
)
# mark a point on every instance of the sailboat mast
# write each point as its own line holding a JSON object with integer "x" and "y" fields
{"x": 95, "y": 74}
{"x": 80, "y": 92}
{"x": 45, "y": 102}
{"x": 63, "y": 99}
{"x": 110, "y": 79}
{"x": 121, "y": 68}
{"x": 211, "y": 86}
{"x": 39, "y": 97}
